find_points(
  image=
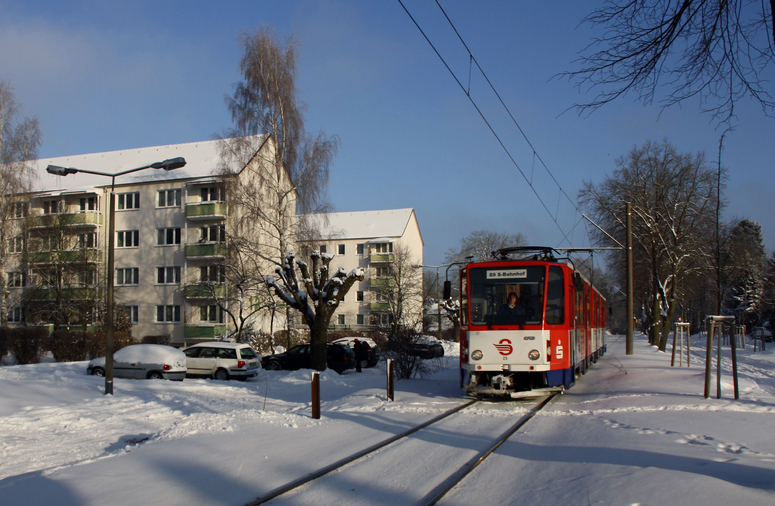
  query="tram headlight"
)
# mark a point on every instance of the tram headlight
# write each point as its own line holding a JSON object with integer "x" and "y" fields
{"x": 534, "y": 355}
{"x": 477, "y": 355}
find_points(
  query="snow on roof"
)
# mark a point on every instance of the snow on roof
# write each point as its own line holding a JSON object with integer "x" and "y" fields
{"x": 387, "y": 224}
{"x": 202, "y": 159}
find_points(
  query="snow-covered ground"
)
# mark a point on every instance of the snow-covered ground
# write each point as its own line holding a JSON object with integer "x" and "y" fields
{"x": 632, "y": 431}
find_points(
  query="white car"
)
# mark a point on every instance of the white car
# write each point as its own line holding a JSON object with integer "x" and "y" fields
{"x": 222, "y": 360}
{"x": 143, "y": 361}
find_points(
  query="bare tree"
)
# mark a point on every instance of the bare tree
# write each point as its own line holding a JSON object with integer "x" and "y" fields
{"x": 315, "y": 295}
{"x": 673, "y": 198}
{"x": 19, "y": 141}
{"x": 400, "y": 287}
{"x": 480, "y": 245}
{"x": 716, "y": 50}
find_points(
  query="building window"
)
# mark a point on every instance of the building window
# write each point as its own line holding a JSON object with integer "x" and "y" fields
{"x": 383, "y": 271}
{"x": 52, "y": 243}
{"x": 168, "y": 236}
{"x": 20, "y": 209}
{"x": 50, "y": 206}
{"x": 168, "y": 275}
{"x": 16, "y": 244}
{"x": 87, "y": 277}
{"x": 87, "y": 240}
{"x": 128, "y": 276}
{"x": 133, "y": 313}
{"x": 15, "y": 315}
{"x": 322, "y": 248}
{"x": 88, "y": 204}
{"x": 168, "y": 314}
{"x": 127, "y": 238}
{"x": 211, "y": 314}
{"x": 47, "y": 278}
{"x": 359, "y": 249}
{"x": 212, "y": 274}
{"x": 359, "y": 296}
{"x": 169, "y": 198}
{"x": 383, "y": 319}
{"x": 213, "y": 233}
{"x": 213, "y": 194}
{"x": 17, "y": 279}
{"x": 341, "y": 249}
{"x": 125, "y": 201}
{"x": 383, "y": 247}
{"x": 340, "y": 319}
{"x": 360, "y": 319}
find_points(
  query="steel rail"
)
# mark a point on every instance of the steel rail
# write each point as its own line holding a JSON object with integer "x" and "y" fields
{"x": 440, "y": 491}
{"x": 343, "y": 462}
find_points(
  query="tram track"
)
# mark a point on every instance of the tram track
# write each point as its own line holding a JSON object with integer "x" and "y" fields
{"x": 443, "y": 487}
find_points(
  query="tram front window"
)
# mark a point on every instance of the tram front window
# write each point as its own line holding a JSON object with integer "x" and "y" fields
{"x": 507, "y": 295}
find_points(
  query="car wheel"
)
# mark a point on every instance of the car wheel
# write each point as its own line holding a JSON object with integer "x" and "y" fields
{"x": 273, "y": 366}
{"x": 98, "y": 372}
{"x": 221, "y": 375}
{"x": 155, "y": 375}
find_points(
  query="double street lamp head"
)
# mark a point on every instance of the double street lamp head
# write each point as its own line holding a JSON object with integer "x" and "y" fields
{"x": 60, "y": 171}
{"x": 170, "y": 164}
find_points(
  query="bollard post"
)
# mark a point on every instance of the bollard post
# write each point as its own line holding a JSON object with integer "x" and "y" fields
{"x": 733, "y": 340}
{"x": 718, "y": 361}
{"x": 709, "y": 358}
{"x": 316, "y": 395}
{"x": 390, "y": 392}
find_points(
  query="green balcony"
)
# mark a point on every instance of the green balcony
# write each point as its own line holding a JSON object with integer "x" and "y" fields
{"x": 382, "y": 282}
{"x": 204, "y": 331}
{"x": 206, "y": 211}
{"x": 206, "y": 291}
{"x": 206, "y": 250}
{"x": 379, "y": 306}
{"x": 79, "y": 256}
{"x": 85, "y": 219}
{"x": 376, "y": 258}
{"x": 66, "y": 294}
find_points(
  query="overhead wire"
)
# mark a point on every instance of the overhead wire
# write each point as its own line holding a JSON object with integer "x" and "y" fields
{"x": 467, "y": 91}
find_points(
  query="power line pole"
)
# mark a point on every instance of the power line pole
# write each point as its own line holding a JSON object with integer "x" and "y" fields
{"x": 629, "y": 287}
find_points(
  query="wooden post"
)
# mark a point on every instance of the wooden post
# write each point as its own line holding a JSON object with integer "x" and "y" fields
{"x": 675, "y": 336}
{"x": 390, "y": 392}
{"x": 733, "y": 342}
{"x": 688, "y": 345}
{"x": 709, "y": 357}
{"x": 316, "y": 395}
{"x": 718, "y": 361}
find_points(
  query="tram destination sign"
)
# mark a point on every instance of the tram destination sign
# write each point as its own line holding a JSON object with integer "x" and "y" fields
{"x": 507, "y": 274}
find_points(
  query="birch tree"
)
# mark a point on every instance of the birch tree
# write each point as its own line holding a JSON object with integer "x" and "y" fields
{"x": 316, "y": 295}
{"x": 19, "y": 141}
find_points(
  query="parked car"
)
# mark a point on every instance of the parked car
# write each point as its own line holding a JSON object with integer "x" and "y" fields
{"x": 373, "y": 352}
{"x": 340, "y": 358}
{"x": 143, "y": 361}
{"x": 221, "y": 360}
{"x": 424, "y": 347}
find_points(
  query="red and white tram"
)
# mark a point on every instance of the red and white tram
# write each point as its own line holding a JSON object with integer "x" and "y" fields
{"x": 528, "y": 326}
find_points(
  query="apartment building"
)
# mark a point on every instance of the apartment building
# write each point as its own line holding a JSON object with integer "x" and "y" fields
{"x": 375, "y": 241}
{"x": 170, "y": 241}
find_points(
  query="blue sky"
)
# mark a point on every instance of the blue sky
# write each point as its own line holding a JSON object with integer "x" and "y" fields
{"x": 105, "y": 76}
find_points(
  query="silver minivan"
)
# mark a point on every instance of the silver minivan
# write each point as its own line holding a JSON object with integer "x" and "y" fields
{"x": 221, "y": 360}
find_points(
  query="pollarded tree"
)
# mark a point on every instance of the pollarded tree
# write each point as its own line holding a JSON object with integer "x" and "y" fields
{"x": 673, "y": 197}
{"x": 315, "y": 295}
{"x": 19, "y": 141}
{"x": 719, "y": 51}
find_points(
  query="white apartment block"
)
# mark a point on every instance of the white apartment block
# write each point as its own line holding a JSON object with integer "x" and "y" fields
{"x": 170, "y": 240}
{"x": 370, "y": 239}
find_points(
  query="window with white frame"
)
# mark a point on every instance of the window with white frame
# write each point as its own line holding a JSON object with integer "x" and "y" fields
{"x": 168, "y": 314}
{"x": 212, "y": 233}
{"x": 340, "y": 319}
{"x": 167, "y": 236}
{"x": 50, "y": 206}
{"x": 169, "y": 198}
{"x": 359, "y": 249}
{"x": 128, "y": 276}
{"x": 16, "y": 279}
{"x": 359, "y": 296}
{"x": 46, "y": 277}
{"x": 359, "y": 319}
{"x": 383, "y": 247}
{"x": 322, "y": 248}
{"x": 127, "y": 238}
{"x": 341, "y": 249}
{"x": 212, "y": 273}
{"x": 20, "y": 209}
{"x": 52, "y": 242}
{"x": 87, "y": 240}
{"x": 133, "y": 312}
{"x": 86, "y": 277}
{"x": 16, "y": 244}
{"x": 15, "y": 315}
{"x": 212, "y": 194}
{"x": 211, "y": 314}
{"x": 168, "y": 275}
{"x": 127, "y": 201}
{"x": 383, "y": 271}
{"x": 88, "y": 204}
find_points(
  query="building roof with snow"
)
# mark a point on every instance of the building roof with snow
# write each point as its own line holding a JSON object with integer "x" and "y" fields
{"x": 385, "y": 224}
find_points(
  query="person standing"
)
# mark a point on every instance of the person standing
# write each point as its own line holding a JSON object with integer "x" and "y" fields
{"x": 359, "y": 354}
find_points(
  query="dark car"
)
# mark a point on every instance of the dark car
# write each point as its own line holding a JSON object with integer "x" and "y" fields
{"x": 372, "y": 354}
{"x": 340, "y": 358}
{"x": 424, "y": 347}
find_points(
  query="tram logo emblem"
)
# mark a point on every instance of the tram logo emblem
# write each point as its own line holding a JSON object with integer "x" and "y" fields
{"x": 504, "y": 347}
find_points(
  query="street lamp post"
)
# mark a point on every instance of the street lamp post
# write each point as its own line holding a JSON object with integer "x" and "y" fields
{"x": 169, "y": 164}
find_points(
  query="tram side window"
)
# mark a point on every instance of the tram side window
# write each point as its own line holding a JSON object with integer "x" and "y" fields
{"x": 555, "y": 297}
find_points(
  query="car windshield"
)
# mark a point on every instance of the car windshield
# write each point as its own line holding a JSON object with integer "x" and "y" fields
{"x": 506, "y": 295}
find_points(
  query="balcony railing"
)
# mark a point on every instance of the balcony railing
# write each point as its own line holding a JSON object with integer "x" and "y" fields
{"x": 76, "y": 256}
{"x": 206, "y": 291}
{"x": 206, "y": 250}
{"x": 83, "y": 219}
{"x": 380, "y": 282}
{"x": 379, "y": 306}
{"x": 204, "y": 331}
{"x": 382, "y": 257}
{"x": 67, "y": 294}
{"x": 206, "y": 211}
